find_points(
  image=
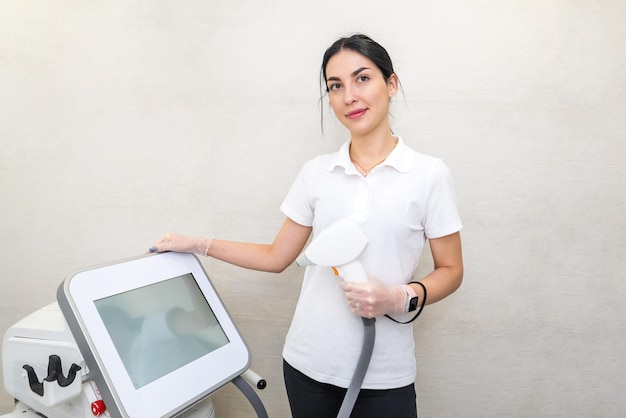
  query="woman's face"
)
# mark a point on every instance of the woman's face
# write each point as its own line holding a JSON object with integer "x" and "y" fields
{"x": 358, "y": 92}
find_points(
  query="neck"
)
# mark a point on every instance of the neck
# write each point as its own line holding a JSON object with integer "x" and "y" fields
{"x": 369, "y": 150}
{"x": 368, "y": 153}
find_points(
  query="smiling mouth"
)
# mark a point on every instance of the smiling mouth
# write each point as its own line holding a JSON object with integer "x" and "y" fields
{"x": 355, "y": 114}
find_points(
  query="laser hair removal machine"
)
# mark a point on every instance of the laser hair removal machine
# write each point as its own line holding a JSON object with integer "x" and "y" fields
{"x": 146, "y": 337}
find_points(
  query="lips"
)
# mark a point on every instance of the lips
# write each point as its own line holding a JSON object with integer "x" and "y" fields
{"x": 355, "y": 114}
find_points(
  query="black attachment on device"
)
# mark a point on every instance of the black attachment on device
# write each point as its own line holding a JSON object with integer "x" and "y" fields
{"x": 55, "y": 372}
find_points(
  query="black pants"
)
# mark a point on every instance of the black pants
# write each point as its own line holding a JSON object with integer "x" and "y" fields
{"x": 311, "y": 399}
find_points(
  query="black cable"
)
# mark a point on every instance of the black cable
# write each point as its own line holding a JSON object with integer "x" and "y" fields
{"x": 419, "y": 311}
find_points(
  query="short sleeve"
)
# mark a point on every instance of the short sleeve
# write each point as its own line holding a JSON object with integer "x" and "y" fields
{"x": 297, "y": 204}
{"x": 442, "y": 216}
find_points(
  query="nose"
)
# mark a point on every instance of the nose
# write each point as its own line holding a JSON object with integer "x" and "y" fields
{"x": 349, "y": 94}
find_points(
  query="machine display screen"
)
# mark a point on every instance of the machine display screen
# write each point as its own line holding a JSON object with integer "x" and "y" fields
{"x": 159, "y": 328}
{"x": 153, "y": 332}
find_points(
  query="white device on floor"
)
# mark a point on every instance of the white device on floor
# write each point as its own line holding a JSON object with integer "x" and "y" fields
{"x": 141, "y": 338}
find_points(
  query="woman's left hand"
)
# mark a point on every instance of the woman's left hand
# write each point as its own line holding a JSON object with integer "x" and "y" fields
{"x": 373, "y": 298}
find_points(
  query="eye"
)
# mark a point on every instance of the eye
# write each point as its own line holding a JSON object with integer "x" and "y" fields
{"x": 362, "y": 78}
{"x": 334, "y": 86}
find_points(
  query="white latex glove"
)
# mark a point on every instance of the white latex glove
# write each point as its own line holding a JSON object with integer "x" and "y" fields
{"x": 373, "y": 298}
{"x": 182, "y": 244}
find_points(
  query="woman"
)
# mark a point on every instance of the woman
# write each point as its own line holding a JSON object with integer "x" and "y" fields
{"x": 401, "y": 199}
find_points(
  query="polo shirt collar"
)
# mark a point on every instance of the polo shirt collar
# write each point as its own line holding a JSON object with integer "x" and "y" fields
{"x": 400, "y": 158}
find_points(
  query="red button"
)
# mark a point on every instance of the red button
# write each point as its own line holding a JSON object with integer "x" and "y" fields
{"x": 98, "y": 407}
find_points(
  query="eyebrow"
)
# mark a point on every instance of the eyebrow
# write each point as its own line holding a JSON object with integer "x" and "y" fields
{"x": 354, "y": 74}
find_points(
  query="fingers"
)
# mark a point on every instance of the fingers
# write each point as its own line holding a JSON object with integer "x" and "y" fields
{"x": 163, "y": 244}
{"x": 181, "y": 244}
{"x": 355, "y": 295}
{"x": 361, "y": 309}
{"x": 355, "y": 287}
{"x": 360, "y": 304}
{"x": 367, "y": 299}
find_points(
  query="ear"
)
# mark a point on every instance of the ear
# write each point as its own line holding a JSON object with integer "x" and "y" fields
{"x": 392, "y": 85}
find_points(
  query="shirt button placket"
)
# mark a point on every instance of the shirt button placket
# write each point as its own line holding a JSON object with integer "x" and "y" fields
{"x": 361, "y": 201}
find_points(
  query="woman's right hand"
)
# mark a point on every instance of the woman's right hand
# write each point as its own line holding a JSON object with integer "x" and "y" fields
{"x": 181, "y": 244}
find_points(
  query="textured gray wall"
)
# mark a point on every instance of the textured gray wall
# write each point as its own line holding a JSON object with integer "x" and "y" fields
{"x": 121, "y": 120}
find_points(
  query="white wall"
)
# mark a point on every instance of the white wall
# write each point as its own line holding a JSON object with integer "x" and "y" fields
{"x": 121, "y": 120}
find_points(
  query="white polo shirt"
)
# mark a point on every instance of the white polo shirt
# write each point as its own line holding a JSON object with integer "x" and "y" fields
{"x": 402, "y": 202}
